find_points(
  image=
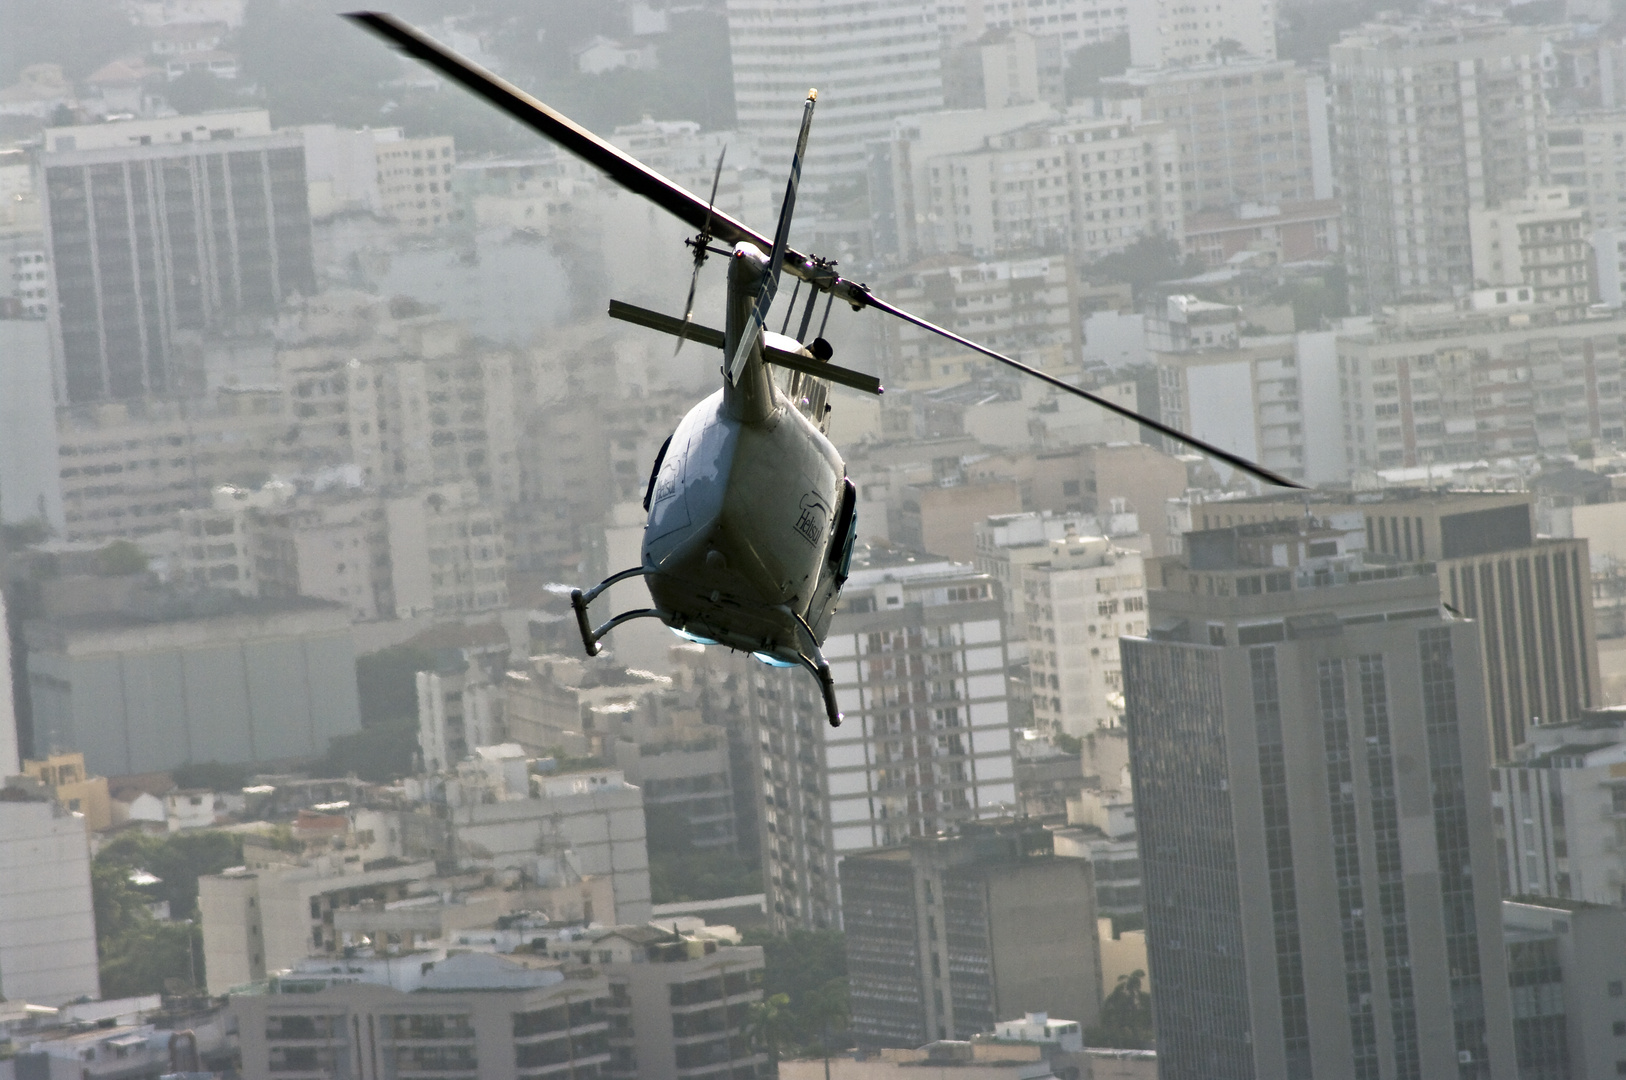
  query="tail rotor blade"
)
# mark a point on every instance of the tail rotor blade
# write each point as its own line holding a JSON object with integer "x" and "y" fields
{"x": 700, "y": 243}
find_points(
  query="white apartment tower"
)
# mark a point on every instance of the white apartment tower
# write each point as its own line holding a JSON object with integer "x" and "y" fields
{"x": 47, "y": 925}
{"x": 871, "y": 63}
{"x": 1169, "y": 33}
{"x": 919, "y": 658}
{"x": 1077, "y": 604}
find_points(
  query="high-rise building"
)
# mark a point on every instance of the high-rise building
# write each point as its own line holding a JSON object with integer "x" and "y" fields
{"x": 160, "y": 227}
{"x": 947, "y": 934}
{"x": 1568, "y": 983}
{"x": 47, "y": 923}
{"x": 1581, "y": 152}
{"x": 1558, "y": 804}
{"x": 919, "y": 660}
{"x": 1172, "y": 33}
{"x": 1249, "y": 131}
{"x": 1072, "y": 23}
{"x": 1311, "y": 782}
{"x": 1077, "y": 604}
{"x": 1433, "y": 119}
{"x": 1538, "y": 639}
{"x": 870, "y": 64}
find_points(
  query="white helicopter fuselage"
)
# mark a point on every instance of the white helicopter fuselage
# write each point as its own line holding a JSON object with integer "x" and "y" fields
{"x": 750, "y": 513}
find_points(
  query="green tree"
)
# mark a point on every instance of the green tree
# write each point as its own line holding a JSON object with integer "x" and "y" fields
{"x": 809, "y": 968}
{"x": 1087, "y": 66}
{"x": 199, "y": 91}
{"x": 1144, "y": 263}
{"x": 769, "y": 1025}
{"x": 680, "y": 871}
{"x": 380, "y": 752}
{"x": 119, "y": 558}
{"x": 1126, "y": 1016}
{"x": 137, "y": 953}
{"x": 387, "y": 682}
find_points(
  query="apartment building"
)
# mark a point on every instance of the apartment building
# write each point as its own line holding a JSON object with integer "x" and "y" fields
{"x": 1171, "y": 33}
{"x": 415, "y": 181}
{"x": 1249, "y": 132}
{"x": 1077, "y": 603}
{"x": 1434, "y": 117}
{"x": 1538, "y": 241}
{"x": 1023, "y": 308}
{"x": 947, "y": 934}
{"x": 918, "y": 654}
{"x": 1440, "y": 384}
{"x": 1014, "y": 180}
{"x": 129, "y": 283}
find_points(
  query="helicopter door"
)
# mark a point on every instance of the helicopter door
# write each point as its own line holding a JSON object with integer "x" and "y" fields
{"x": 846, "y": 530}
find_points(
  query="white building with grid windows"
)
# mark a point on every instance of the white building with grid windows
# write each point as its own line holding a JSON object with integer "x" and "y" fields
{"x": 919, "y": 657}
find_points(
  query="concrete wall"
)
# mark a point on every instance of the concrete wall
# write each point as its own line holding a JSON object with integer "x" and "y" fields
{"x": 243, "y": 688}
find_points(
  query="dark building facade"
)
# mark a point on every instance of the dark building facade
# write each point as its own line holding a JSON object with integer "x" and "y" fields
{"x": 947, "y": 936}
{"x": 148, "y": 242}
{"x": 1530, "y": 596}
{"x": 1312, "y": 793}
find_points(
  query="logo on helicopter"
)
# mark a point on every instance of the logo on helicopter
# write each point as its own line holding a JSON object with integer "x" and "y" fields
{"x": 815, "y": 514}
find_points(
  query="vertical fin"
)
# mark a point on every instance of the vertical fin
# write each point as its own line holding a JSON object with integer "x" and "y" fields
{"x": 776, "y": 258}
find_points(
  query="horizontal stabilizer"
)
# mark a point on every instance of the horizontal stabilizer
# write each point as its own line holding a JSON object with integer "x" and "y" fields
{"x": 705, "y": 335}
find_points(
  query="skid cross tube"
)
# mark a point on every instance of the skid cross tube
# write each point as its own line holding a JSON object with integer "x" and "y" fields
{"x": 579, "y": 601}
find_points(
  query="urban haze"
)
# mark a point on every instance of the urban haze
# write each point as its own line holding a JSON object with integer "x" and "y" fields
{"x": 313, "y": 419}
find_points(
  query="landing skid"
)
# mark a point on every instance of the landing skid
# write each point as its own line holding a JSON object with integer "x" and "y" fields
{"x": 816, "y": 664}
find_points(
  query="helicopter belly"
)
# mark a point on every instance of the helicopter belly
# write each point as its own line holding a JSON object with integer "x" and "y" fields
{"x": 739, "y": 526}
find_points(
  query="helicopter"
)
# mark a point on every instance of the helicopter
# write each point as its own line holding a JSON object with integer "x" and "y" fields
{"x": 751, "y": 514}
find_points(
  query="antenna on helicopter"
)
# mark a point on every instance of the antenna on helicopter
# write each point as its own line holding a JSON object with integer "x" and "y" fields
{"x": 701, "y": 245}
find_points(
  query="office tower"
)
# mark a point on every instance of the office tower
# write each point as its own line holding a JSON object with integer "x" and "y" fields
{"x": 1249, "y": 131}
{"x": 919, "y": 659}
{"x": 156, "y": 228}
{"x": 1173, "y": 33}
{"x": 870, "y": 65}
{"x": 947, "y": 934}
{"x": 1557, "y": 804}
{"x": 47, "y": 923}
{"x": 1569, "y": 988}
{"x": 1433, "y": 119}
{"x": 1538, "y": 640}
{"x": 30, "y": 485}
{"x": 1312, "y": 787}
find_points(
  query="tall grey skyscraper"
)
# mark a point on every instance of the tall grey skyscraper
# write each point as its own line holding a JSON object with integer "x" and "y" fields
{"x": 1433, "y": 118}
{"x": 160, "y": 227}
{"x": 1311, "y": 777}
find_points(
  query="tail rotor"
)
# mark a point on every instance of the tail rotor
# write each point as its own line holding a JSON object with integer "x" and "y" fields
{"x": 701, "y": 245}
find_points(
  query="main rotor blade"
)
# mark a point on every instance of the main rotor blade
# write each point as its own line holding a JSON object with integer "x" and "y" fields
{"x": 1234, "y": 460}
{"x": 625, "y": 170}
